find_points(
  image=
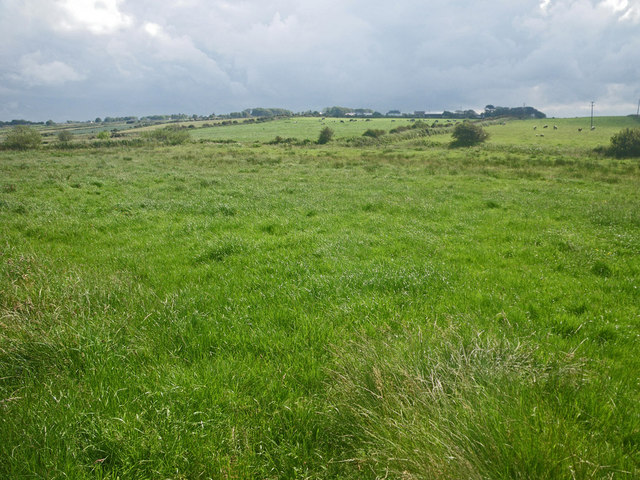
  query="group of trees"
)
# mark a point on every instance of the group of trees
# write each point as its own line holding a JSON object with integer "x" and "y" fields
{"x": 20, "y": 122}
{"x": 515, "y": 112}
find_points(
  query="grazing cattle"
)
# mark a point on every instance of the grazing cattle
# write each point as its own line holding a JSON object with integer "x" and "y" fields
{"x": 579, "y": 129}
{"x": 535, "y": 128}
{"x": 555, "y": 127}
{"x": 546, "y": 126}
{"x": 593, "y": 128}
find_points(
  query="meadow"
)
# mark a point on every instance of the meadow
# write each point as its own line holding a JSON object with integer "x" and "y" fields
{"x": 397, "y": 309}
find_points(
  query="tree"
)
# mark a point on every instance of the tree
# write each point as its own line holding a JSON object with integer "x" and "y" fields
{"x": 466, "y": 134}
{"x": 337, "y": 111}
{"x": 22, "y": 137}
{"x": 326, "y": 134}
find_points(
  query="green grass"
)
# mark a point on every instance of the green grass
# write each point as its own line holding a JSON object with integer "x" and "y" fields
{"x": 409, "y": 311}
{"x": 300, "y": 127}
{"x": 566, "y": 135}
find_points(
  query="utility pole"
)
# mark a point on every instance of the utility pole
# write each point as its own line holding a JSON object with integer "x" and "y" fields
{"x": 592, "y": 115}
{"x": 638, "y": 111}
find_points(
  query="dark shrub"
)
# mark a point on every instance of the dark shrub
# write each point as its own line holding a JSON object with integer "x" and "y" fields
{"x": 626, "y": 143}
{"x": 326, "y": 134}
{"x": 466, "y": 134}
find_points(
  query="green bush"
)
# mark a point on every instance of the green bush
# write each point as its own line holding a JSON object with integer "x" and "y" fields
{"x": 626, "y": 143}
{"x": 104, "y": 135}
{"x": 65, "y": 137}
{"x": 326, "y": 134}
{"x": 23, "y": 138}
{"x": 466, "y": 134}
{"x": 374, "y": 133}
{"x": 172, "y": 135}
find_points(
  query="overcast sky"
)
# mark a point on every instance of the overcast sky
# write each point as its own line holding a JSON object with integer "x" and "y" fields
{"x": 81, "y": 59}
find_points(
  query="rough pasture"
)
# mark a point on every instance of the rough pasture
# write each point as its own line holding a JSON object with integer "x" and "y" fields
{"x": 403, "y": 310}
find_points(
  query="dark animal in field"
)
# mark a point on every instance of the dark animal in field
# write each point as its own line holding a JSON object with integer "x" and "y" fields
{"x": 546, "y": 126}
{"x": 535, "y": 128}
{"x": 555, "y": 127}
{"x": 579, "y": 129}
{"x": 593, "y": 128}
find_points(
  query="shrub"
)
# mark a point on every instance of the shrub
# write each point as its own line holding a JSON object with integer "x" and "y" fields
{"x": 626, "y": 143}
{"x": 373, "y": 133}
{"x": 326, "y": 134}
{"x": 65, "y": 137}
{"x": 400, "y": 129}
{"x": 104, "y": 135}
{"x": 23, "y": 137}
{"x": 171, "y": 135}
{"x": 466, "y": 134}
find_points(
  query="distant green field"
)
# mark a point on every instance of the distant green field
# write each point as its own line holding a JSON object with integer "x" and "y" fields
{"x": 397, "y": 310}
{"x": 300, "y": 128}
{"x": 516, "y": 132}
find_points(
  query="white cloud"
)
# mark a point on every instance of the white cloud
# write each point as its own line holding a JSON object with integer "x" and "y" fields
{"x": 97, "y": 16}
{"x": 152, "y": 29}
{"x": 627, "y": 10}
{"x": 34, "y": 71}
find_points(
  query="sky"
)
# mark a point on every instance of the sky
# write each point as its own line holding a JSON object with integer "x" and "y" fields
{"x": 82, "y": 59}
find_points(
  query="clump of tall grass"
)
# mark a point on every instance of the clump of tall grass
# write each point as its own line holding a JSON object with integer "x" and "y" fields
{"x": 448, "y": 405}
{"x": 171, "y": 135}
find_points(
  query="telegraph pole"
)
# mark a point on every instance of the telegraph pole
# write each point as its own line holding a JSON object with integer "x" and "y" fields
{"x": 638, "y": 111}
{"x": 592, "y": 115}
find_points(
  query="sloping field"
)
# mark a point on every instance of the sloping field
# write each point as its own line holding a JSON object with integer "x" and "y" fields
{"x": 301, "y": 128}
{"x": 570, "y": 132}
{"x": 397, "y": 311}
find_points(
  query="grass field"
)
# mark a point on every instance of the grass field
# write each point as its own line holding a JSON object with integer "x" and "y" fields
{"x": 402, "y": 310}
{"x": 301, "y": 128}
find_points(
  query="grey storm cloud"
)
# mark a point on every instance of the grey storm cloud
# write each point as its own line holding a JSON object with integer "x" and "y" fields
{"x": 79, "y": 59}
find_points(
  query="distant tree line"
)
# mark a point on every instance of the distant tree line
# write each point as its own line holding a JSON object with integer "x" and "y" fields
{"x": 13, "y": 123}
{"x": 515, "y": 112}
{"x": 490, "y": 111}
